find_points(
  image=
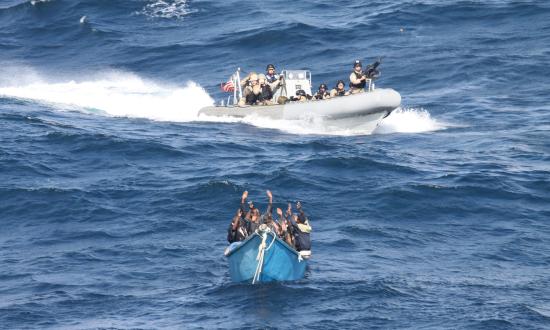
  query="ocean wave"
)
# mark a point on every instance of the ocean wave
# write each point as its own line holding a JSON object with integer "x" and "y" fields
{"x": 177, "y": 9}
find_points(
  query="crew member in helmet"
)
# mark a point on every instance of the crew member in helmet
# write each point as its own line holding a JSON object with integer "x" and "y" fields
{"x": 322, "y": 93}
{"x": 357, "y": 79}
{"x": 251, "y": 90}
{"x": 301, "y": 96}
{"x": 273, "y": 80}
{"x": 339, "y": 89}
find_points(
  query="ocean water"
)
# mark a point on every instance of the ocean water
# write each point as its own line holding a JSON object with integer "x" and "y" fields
{"x": 115, "y": 196}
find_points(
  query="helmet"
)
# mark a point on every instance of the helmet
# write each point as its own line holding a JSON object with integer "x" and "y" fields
{"x": 270, "y": 66}
{"x": 357, "y": 63}
{"x": 323, "y": 86}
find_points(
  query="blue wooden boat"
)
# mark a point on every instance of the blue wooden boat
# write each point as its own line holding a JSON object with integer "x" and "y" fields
{"x": 264, "y": 257}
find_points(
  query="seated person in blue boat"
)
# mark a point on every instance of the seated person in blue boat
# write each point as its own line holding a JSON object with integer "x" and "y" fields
{"x": 301, "y": 229}
{"x": 285, "y": 231}
{"x": 357, "y": 79}
{"x": 298, "y": 227}
{"x": 339, "y": 90}
{"x": 238, "y": 229}
{"x": 252, "y": 216}
{"x": 267, "y": 218}
{"x": 266, "y": 94}
{"x": 322, "y": 93}
{"x": 251, "y": 209}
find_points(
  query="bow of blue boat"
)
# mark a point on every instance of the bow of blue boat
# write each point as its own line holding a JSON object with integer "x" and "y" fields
{"x": 279, "y": 262}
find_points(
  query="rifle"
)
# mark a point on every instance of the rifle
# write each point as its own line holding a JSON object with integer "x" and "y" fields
{"x": 371, "y": 71}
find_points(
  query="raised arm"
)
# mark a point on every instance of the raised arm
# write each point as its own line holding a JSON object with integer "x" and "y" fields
{"x": 270, "y": 202}
{"x": 245, "y": 80}
{"x": 280, "y": 214}
{"x": 243, "y": 201}
{"x": 300, "y": 210}
{"x": 236, "y": 218}
{"x": 232, "y": 231}
{"x": 283, "y": 224}
{"x": 289, "y": 210}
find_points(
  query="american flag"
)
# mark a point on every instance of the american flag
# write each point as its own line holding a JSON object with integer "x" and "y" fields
{"x": 228, "y": 86}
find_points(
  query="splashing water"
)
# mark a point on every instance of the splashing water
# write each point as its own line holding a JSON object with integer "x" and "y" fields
{"x": 167, "y": 9}
{"x": 409, "y": 120}
{"x": 116, "y": 94}
{"x": 35, "y": 2}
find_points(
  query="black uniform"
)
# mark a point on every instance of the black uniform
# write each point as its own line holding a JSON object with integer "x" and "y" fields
{"x": 252, "y": 98}
{"x": 266, "y": 94}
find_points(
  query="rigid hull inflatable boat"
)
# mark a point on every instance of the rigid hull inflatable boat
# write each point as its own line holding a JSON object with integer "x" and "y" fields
{"x": 364, "y": 109}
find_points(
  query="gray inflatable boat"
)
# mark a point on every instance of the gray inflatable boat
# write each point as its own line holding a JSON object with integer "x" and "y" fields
{"x": 365, "y": 109}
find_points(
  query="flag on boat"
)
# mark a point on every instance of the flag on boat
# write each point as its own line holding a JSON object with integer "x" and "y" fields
{"x": 228, "y": 86}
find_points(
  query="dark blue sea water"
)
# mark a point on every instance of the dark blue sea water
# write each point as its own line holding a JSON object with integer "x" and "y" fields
{"x": 115, "y": 196}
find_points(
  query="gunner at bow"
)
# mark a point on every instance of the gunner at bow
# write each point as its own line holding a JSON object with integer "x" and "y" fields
{"x": 357, "y": 79}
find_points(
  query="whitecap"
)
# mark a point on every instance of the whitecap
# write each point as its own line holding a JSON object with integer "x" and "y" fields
{"x": 167, "y": 9}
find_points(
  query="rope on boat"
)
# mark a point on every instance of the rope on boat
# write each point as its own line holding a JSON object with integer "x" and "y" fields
{"x": 263, "y": 231}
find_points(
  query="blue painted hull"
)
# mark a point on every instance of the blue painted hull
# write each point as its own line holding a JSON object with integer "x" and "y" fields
{"x": 281, "y": 262}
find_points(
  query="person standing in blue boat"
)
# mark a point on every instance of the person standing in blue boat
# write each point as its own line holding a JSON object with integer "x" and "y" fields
{"x": 238, "y": 229}
{"x": 299, "y": 229}
{"x": 302, "y": 229}
{"x": 267, "y": 218}
{"x": 285, "y": 232}
{"x": 252, "y": 216}
{"x": 251, "y": 209}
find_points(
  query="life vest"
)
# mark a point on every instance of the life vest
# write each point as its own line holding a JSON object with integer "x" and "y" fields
{"x": 270, "y": 79}
{"x": 360, "y": 85}
{"x": 341, "y": 92}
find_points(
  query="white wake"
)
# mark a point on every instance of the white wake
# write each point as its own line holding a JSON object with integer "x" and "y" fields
{"x": 116, "y": 94}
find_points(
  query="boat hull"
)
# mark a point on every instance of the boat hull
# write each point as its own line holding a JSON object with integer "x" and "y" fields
{"x": 373, "y": 105}
{"x": 281, "y": 262}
